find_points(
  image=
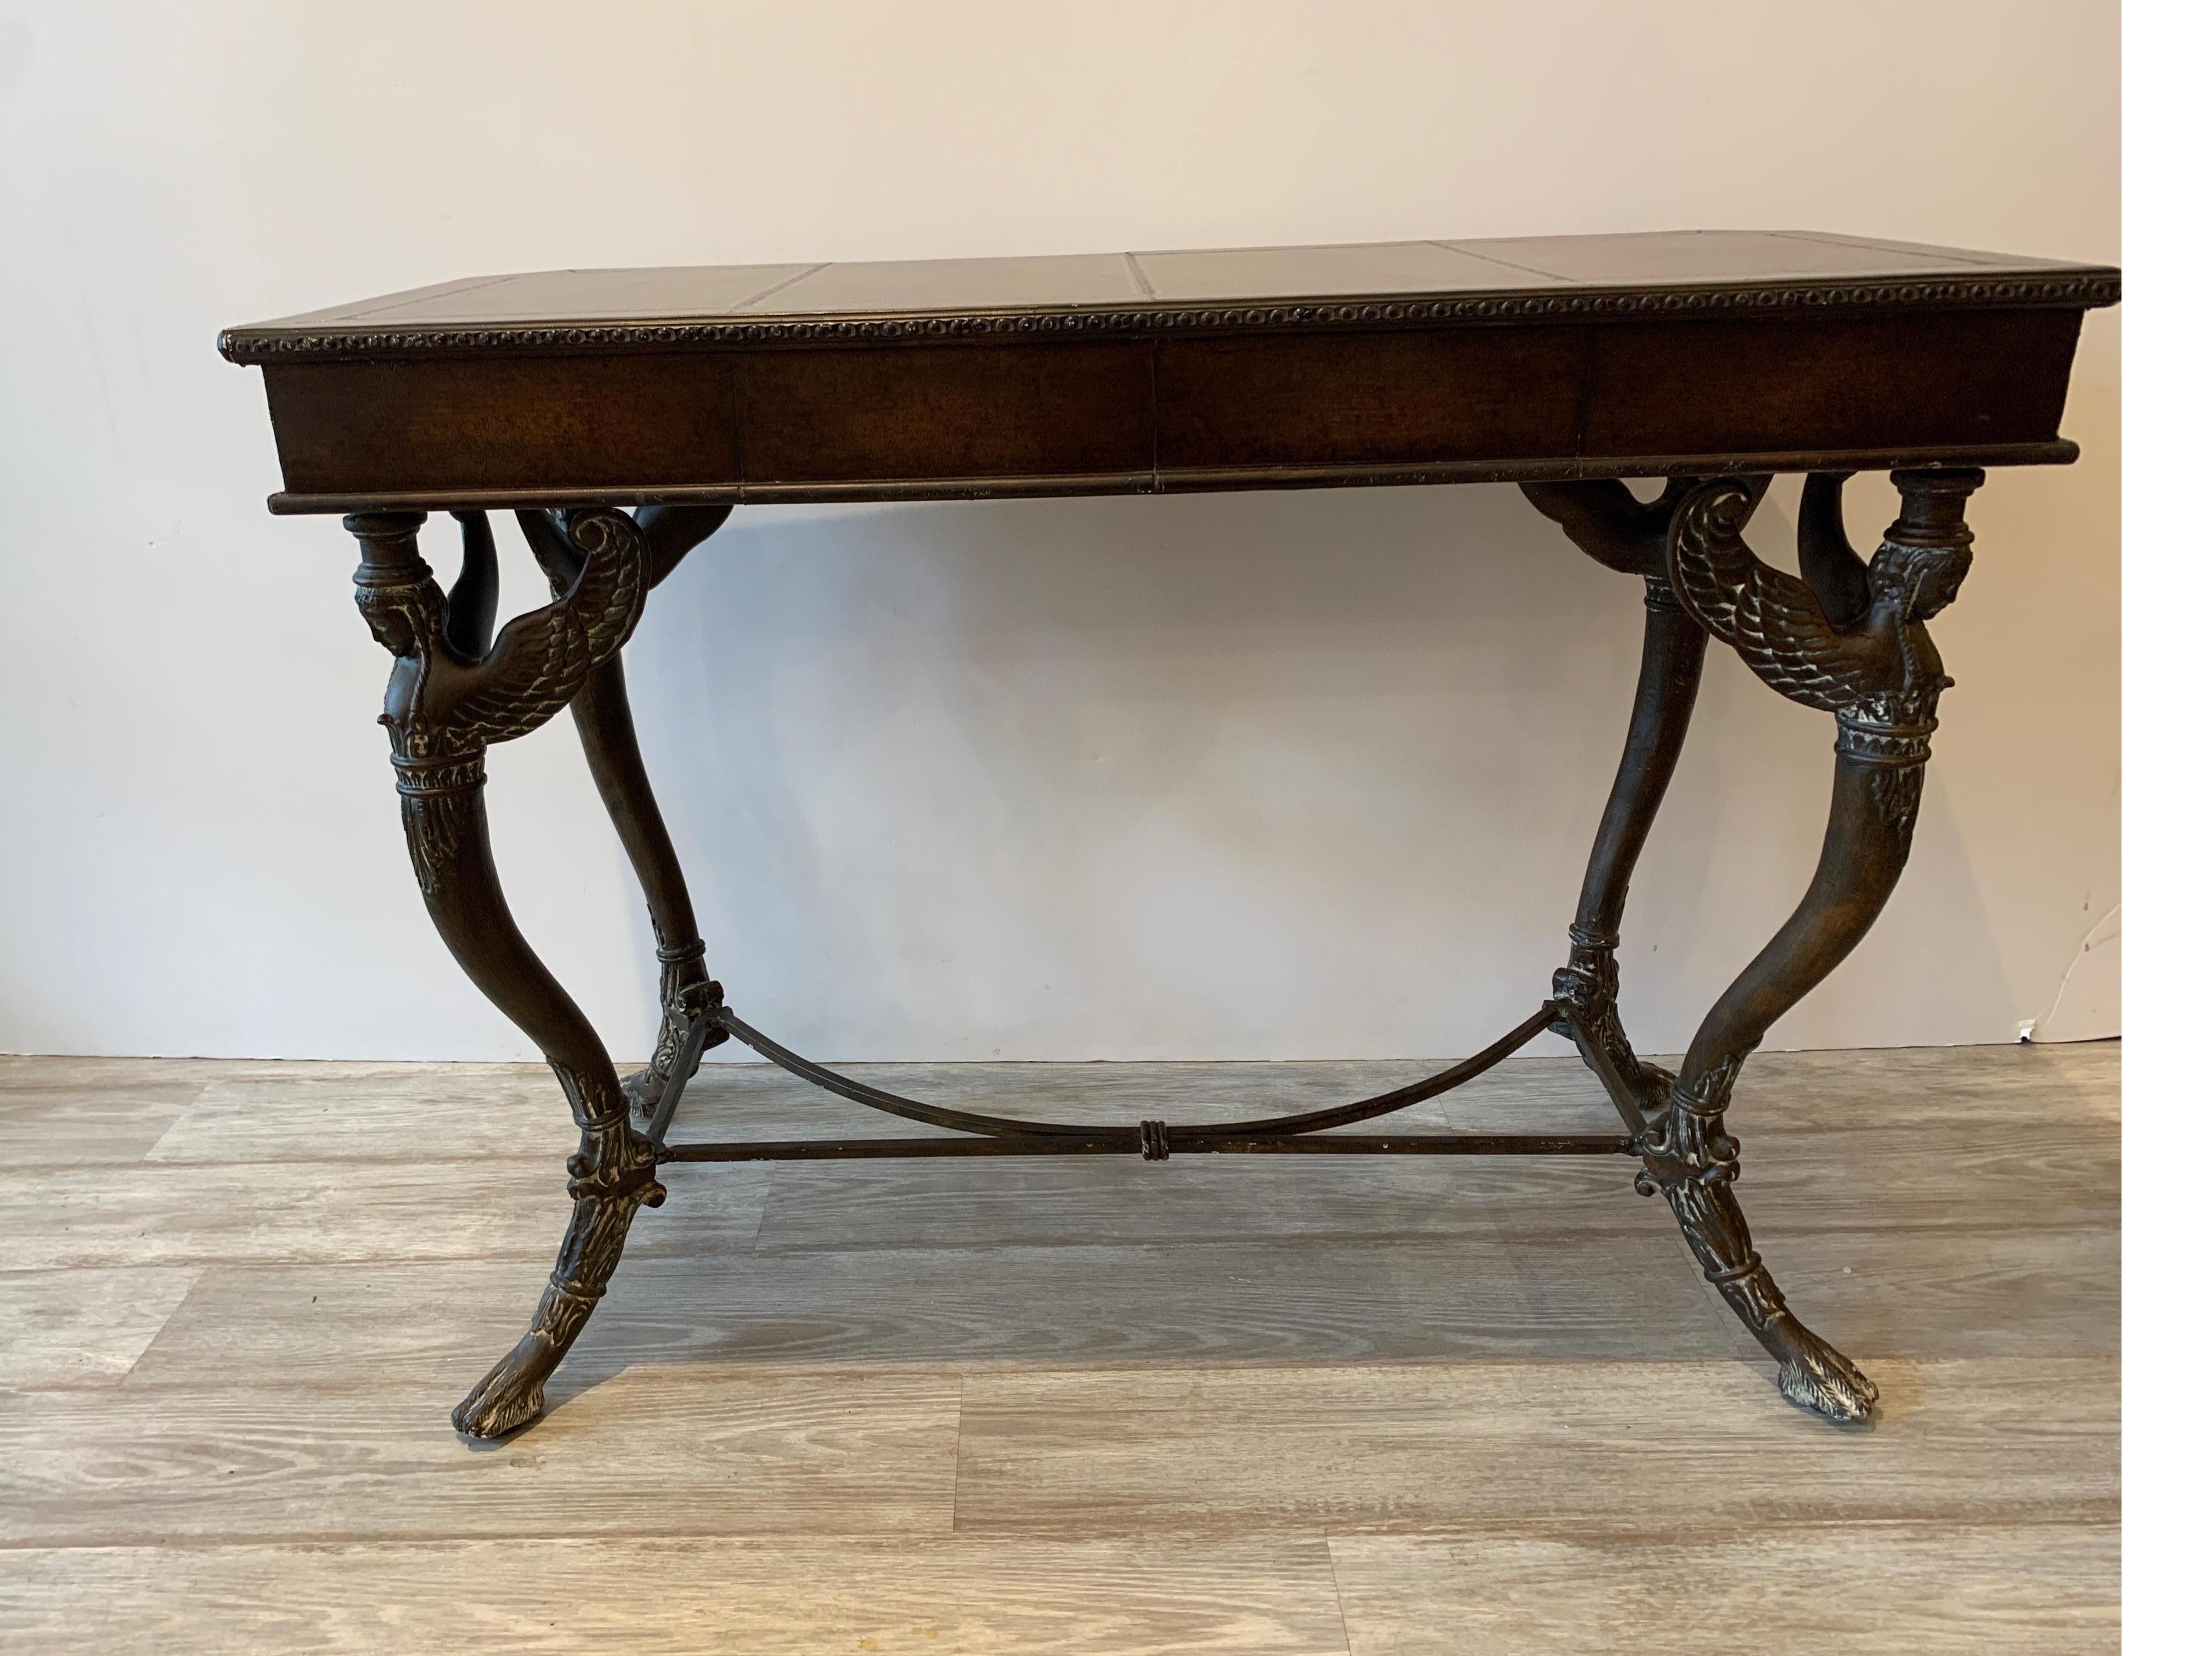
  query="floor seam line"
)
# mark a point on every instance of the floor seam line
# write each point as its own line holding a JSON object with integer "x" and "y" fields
{"x": 1336, "y": 1588}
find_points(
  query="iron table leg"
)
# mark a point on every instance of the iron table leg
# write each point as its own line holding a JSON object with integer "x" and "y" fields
{"x": 452, "y": 695}
{"x": 1851, "y": 638}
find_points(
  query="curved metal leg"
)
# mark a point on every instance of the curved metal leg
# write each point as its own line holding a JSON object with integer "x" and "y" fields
{"x": 609, "y": 736}
{"x": 601, "y": 711}
{"x": 450, "y": 697}
{"x": 1691, "y": 1160}
{"x": 1587, "y": 986}
{"x": 1879, "y": 672}
{"x": 1606, "y": 520}
{"x": 609, "y": 1176}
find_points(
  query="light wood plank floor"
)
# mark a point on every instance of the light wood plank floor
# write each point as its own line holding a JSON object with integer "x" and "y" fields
{"x": 1278, "y": 1404}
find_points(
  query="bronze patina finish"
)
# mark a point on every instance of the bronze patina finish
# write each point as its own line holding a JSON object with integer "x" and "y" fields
{"x": 1713, "y": 360}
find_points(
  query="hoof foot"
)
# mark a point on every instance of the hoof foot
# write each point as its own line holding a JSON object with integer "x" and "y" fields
{"x": 509, "y": 1397}
{"x": 1817, "y": 1377}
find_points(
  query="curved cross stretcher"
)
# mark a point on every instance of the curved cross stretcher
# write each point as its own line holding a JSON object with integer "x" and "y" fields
{"x": 1004, "y": 1135}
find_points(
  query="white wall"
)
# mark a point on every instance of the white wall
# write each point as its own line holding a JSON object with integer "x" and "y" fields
{"x": 1290, "y": 775}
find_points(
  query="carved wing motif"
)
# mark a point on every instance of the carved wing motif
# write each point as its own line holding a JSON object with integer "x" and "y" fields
{"x": 540, "y": 660}
{"x": 1771, "y": 619}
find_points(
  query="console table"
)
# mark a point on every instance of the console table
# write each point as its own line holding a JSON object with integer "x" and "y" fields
{"x": 1711, "y": 360}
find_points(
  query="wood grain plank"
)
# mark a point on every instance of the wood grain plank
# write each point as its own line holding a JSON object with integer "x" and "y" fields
{"x": 1886, "y": 1294}
{"x": 1917, "y": 1086}
{"x": 1877, "y": 1294}
{"x": 23, "y": 1075}
{"x": 1547, "y": 1448}
{"x": 118, "y": 1126}
{"x": 1047, "y": 1202}
{"x": 1880, "y": 1295}
{"x": 1860, "y": 1590}
{"x": 64, "y": 1110}
{"x": 434, "y": 1325}
{"x": 151, "y": 1214}
{"x": 701, "y": 1451}
{"x": 1272, "y": 1595}
{"x": 83, "y": 1327}
{"x": 1999, "y": 1175}
{"x": 1268, "y": 1303}
{"x": 322, "y": 1113}
{"x": 1889, "y": 1088}
{"x": 69, "y": 1074}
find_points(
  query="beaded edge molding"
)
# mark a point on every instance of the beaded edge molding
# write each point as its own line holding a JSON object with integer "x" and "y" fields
{"x": 250, "y": 344}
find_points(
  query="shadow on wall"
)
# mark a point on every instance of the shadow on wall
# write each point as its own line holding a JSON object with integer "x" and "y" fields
{"x": 1288, "y": 776}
